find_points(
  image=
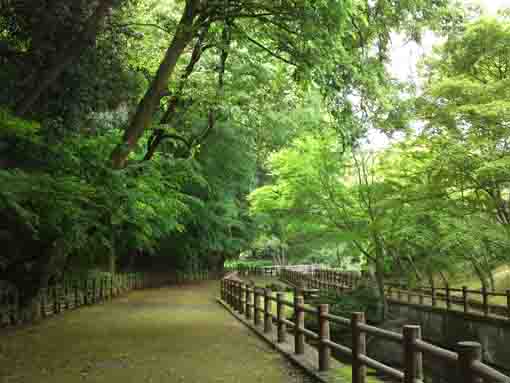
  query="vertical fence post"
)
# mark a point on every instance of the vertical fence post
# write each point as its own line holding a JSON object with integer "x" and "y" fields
{"x": 422, "y": 295}
{"x": 465, "y": 298}
{"x": 508, "y": 303}
{"x": 280, "y": 313}
{"x": 433, "y": 293}
{"x": 299, "y": 323}
{"x": 16, "y": 308}
{"x": 231, "y": 293}
{"x": 222, "y": 289}
{"x": 76, "y": 294}
{"x": 324, "y": 350}
{"x": 247, "y": 310}
{"x": 256, "y": 308}
{"x": 239, "y": 294}
{"x": 43, "y": 302}
{"x": 55, "y": 299}
{"x": 66, "y": 292}
{"x": 235, "y": 296}
{"x": 242, "y": 303}
{"x": 101, "y": 289}
{"x": 413, "y": 359}
{"x": 485, "y": 300}
{"x": 268, "y": 317}
{"x": 448, "y": 297}
{"x": 358, "y": 348}
{"x": 469, "y": 352}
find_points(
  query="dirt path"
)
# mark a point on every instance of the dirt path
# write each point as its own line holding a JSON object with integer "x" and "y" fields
{"x": 152, "y": 336}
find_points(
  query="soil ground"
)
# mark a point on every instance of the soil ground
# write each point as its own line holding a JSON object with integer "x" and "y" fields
{"x": 167, "y": 335}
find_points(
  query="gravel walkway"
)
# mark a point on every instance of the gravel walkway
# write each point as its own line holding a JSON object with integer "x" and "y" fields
{"x": 165, "y": 335}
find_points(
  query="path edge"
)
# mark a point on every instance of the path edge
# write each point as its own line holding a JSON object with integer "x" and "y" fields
{"x": 304, "y": 365}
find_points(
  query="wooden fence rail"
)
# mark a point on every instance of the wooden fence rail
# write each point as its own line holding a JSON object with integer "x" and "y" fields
{"x": 463, "y": 299}
{"x": 274, "y": 270}
{"x": 68, "y": 295}
{"x": 247, "y": 300}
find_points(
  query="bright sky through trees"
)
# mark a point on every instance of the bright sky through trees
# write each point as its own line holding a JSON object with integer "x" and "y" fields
{"x": 405, "y": 56}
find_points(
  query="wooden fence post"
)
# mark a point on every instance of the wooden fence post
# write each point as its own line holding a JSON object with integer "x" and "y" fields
{"x": 358, "y": 348}
{"x": 465, "y": 298}
{"x": 268, "y": 318}
{"x": 280, "y": 313}
{"x": 508, "y": 303}
{"x": 101, "y": 289}
{"x": 448, "y": 297}
{"x": 66, "y": 292}
{"x": 231, "y": 293}
{"x": 324, "y": 350}
{"x": 55, "y": 299}
{"x": 299, "y": 324}
{"x": 413, "y": 359}
{"x": 76, "y": 294}
{"x": 256, "y": 308}
{"x": 235, "y": 301}
{"x": 433, "y": 293}
{"x": 16, "y": 308}
{"x": 43, "y": 302}
{"x": 485, "y": 300}
{"x": 242, "y": 303}
{"x": 469, "y": 352}
{"x": 247, "y": 310}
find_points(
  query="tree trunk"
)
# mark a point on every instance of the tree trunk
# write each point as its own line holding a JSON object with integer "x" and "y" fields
{"x": 64, "y": 58}
{"x": 480, "y": 274}
{"x": 143, "y": 116}
{"x": 379, "y": 277}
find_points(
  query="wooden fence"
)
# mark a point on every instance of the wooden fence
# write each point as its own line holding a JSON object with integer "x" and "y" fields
{"x": 68, "y": 295}
{"x": 274, "y": 270}
{"x": 465, "y": 300}
{"x": 255, "y": 304}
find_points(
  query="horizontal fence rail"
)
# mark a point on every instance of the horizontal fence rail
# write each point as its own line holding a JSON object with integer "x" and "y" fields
{"x": 476, "y": 302}
{"x": 67, "y": 295}
{"x": 255, "y": 303}
{"x": 274, "y": 270}
{"x": 73, "y": 293}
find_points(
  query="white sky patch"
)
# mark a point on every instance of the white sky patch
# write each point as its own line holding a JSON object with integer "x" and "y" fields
{"x": 405, "y": 56}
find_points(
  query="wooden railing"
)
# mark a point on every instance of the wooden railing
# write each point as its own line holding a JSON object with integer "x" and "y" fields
{"x": 255, "y": 304}
{"x": 274, "y": 270}
{"x": 68, "y": 295}
{"x": 454, "y": 299}
{"x": 477, "y": 302}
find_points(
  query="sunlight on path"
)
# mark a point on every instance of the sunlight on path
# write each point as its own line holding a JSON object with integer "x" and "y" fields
{"x": 157, "y": 336}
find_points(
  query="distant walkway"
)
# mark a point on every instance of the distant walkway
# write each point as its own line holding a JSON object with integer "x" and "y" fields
{"x": 168, "y": 335}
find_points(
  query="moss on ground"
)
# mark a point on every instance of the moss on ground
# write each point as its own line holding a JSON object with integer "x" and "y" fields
{"x": 152, "y": 336}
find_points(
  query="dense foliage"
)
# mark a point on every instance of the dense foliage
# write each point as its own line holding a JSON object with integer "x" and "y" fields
{"x": 133, "y": 131}
{"x": 431, "y": 205}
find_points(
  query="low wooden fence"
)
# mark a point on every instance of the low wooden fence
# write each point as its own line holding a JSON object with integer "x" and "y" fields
{"x": 453, "y": 299}
{"x": 255, "y": 304}
{"x": 274, "y": 270}
{"x": 68, "y": 295}
{"x": 463, "y": 299}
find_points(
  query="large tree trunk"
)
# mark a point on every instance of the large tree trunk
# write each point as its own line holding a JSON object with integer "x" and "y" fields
{"x": 143, "y": 117}
{"x": 64, "y": 58}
